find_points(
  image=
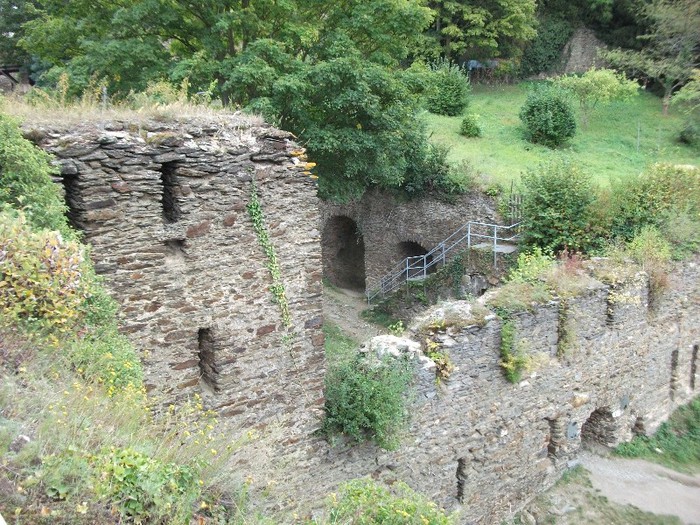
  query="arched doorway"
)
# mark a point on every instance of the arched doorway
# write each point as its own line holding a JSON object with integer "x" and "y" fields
{"x": 413, "y": 249}
{"x": 343, "y": 251}
{"x": 599, "y": 429}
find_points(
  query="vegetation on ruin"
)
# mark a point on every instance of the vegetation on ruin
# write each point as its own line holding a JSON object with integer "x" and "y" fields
{"x": 676, "y": 444}
{"x": 277, "y": 290}
{"x": 367, "y": 397}
{"x": 363, "y": 501}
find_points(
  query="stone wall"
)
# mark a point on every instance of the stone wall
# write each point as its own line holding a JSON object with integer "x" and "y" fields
{"x": 581, "y": 52}
{"x": 164, "y": 206}
{"x": 483, "y": 446}
{"x": 387, "y": 226}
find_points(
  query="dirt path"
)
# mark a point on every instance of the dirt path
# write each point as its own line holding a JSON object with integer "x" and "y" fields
{"x": 343, "y": 307}
{"x": 616, "y": 491}
{"x": 645, "y": 485}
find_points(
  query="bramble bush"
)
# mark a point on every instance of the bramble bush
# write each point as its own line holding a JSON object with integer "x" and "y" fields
{"x": 652, "y": 198}
{"x": 558, "y": 207}
{"x": 44, "y": 278}
{"x": 366, "y": 398}
{"x": 548, "y": 117}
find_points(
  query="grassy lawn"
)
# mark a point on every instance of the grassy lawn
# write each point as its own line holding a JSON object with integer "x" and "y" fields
{"x": 676, "y": 444}
{"x": 607, "y": 148}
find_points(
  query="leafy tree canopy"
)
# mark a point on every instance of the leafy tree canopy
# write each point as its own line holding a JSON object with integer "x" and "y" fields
{"x": 671, "y": 46}
{"x": 328, "y": 71}
{"x": 481, "y": 28}
{"x": 597, "y": 86}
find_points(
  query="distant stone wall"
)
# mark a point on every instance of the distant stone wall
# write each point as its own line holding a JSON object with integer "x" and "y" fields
{"x": 385, "y": 224}
{"x": 164, "y": 206}
{"x": 581, "y": 52}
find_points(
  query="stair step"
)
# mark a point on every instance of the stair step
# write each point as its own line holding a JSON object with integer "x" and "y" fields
{"x": 500, "y": 248}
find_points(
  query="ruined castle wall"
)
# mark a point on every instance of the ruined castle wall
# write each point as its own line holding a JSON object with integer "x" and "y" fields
{"x": 483, "y": 446}
{"x": 164, "y": 207}
{"x": 384, "y": 222}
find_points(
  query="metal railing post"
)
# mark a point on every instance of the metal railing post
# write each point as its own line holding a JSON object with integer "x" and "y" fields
{"x": 469, "y": 236}
{"x": 495, "y": 244}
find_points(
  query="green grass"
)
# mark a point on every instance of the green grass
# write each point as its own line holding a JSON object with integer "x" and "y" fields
{"x": 338, "y": 345}
{"x": 607, "y": 148}
{"x": 676, "y": 444}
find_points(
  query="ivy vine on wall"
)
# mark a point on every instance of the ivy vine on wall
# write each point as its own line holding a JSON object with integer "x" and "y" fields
{"x": 277, "y": 287}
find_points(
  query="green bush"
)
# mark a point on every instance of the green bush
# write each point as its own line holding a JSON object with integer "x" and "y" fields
{"x": 650, "y": 198}
{"x": 364, "y": 502}
{"x": 44, "y": 278}
{"x": 531, "y": 266}
{"x": 145, "y": 488}
{"x": 558, "y": 211}
{"x": 449, "y": 89}
{"x": 548, "y": 117}
{"x": 25, "y": 181}
{"x": 366, "y": 398}
{"x": 470, "y": 126}
{"x": 690, "y": 134}
{"x": 430, "y": 172}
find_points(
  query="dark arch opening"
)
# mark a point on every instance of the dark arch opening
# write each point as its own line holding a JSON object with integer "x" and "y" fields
{"x": 414, "y": 249}
{"x": 343, "y": 250}
{"x": 599, "y": 428}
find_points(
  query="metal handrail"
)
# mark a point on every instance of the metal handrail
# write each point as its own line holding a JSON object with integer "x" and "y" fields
{"x": 417, "y": 266}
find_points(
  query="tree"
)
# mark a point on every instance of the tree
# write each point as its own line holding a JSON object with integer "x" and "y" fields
{"x": 481, "y": 28}
{"x": 328, "y": 71}
{"x": 597, "y": 86}
{"x": 671, "y": 47}
{"x": 689, "y": 100}
{"x": 548, "y": 117}
{"x": 13, "y": 14}
{"x": 358, "y": 121}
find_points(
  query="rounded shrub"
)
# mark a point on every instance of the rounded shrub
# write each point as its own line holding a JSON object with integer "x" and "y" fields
{"x": 690, "y": 134}
{"x": 470, "y": 126}
{"x": 366, "y": 399}
{"x": 449, "y": 94}
{"x": 548, "y": 117}
{"x": 558, "y": 207}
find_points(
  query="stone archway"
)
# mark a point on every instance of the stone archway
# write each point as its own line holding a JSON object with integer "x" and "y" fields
{"x": 343, "y": 251}
{"x": 413, "y": 249}
{"x": 599, "y": 429}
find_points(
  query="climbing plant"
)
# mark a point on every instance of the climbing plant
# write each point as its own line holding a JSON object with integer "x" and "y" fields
{"x": 277, "y": 287}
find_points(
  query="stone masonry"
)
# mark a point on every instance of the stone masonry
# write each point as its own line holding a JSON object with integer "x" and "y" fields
{"x": 164, "y": 206}
{"x": 484, "y": 447}
{"x": 388, "y": 228}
